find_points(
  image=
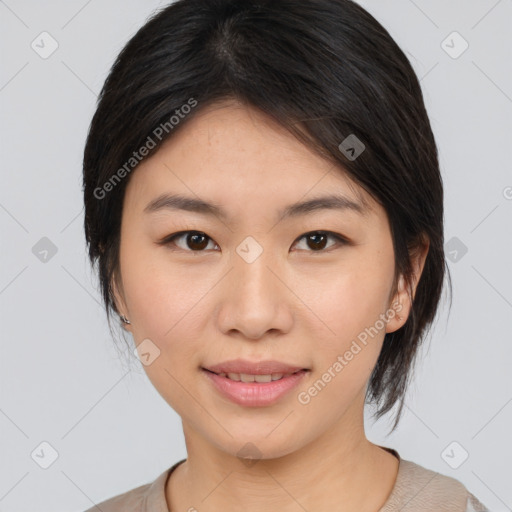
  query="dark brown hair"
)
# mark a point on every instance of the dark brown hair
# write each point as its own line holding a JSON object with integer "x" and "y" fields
{"x": 323, "y": 69}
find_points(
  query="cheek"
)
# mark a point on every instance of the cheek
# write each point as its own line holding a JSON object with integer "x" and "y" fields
{"x": 166, "y": 306}
{"x": 167, "y": 309}
{"x": 155, "y": 295}
{"x": 349, "y": 302}
{"x": 350, "y": 298}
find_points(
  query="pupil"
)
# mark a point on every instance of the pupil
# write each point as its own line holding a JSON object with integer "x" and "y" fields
{"x": 313, "y": 237}
{"x": 194, "y": 238}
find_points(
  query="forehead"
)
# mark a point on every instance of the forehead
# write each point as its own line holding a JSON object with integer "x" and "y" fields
{"x": 233, "y": 153}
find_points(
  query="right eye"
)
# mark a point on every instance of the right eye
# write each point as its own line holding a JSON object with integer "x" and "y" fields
{"x": 196, "y": 241}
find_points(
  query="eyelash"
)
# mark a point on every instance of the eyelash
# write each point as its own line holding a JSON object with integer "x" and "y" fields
{"x": 169, "y": 240}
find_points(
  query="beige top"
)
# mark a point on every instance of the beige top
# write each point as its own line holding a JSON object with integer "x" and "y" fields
{"x": 416, "y": 489}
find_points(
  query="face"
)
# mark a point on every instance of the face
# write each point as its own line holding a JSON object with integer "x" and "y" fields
{"x": 311, "y": 289}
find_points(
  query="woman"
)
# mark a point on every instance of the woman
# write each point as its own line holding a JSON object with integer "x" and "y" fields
{"x": 264, "y": 203}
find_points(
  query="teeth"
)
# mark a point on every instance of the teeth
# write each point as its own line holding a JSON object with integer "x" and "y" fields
{"x": 245, "y": 377}
{"x": 262, "y": 378}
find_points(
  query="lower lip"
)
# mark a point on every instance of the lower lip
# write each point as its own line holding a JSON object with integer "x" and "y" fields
{"x": 255, "y": 394}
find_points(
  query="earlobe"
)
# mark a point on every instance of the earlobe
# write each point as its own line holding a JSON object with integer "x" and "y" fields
{"x": 120, "y": 305}
{"x": 125, "y": 321}
{"x": 400, "y": 307}
{"x": 403, "y": 299}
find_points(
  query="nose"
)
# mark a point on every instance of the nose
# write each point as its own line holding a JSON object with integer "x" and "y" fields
{"x": 255, "y": 301}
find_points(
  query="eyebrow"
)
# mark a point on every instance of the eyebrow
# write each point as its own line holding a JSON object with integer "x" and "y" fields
{"x": 329, "y": 202}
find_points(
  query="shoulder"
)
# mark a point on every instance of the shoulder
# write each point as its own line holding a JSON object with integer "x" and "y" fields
{"x": 473, "y": 505}
{"x": 420, "y": 489}
{"x": 145, "y": 498}
{"x": 130, "y": 501}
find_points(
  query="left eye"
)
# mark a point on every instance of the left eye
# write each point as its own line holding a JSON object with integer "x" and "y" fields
{"x": 194, "y": 238}
{"x": 198, "y": 241}
{"x": 318, "y": 238}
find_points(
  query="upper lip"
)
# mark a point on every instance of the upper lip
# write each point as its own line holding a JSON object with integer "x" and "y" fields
{"x": 253, "y": 368}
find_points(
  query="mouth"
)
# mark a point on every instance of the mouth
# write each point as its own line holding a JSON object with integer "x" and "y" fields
{"x": 248, "y": 369}
{"x": 260, "y": 378}
{"x": 249, "y": 384}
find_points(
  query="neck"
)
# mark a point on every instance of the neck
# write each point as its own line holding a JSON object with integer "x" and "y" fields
{"x": 340, "y": 470}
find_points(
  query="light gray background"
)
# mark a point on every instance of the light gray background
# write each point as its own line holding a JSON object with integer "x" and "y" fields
{"x": 62, "y": 381}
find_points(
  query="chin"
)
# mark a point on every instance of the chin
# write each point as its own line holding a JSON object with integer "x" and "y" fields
{"x": 259, "y": 446}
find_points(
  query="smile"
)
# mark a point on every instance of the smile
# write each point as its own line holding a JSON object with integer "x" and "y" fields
{"x": 246, "y": 377}
{"x": 250, "y": 390}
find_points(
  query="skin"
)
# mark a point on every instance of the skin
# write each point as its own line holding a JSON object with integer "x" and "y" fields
{"x": 295, "y": 303}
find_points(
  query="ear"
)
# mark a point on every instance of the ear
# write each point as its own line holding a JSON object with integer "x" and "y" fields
{"x": 401, "y": 303}
{"x": 120, "y": 303}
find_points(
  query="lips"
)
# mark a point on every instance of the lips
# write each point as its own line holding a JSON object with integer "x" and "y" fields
{"x": 245, "y": 377}
{"x": 259, "y": 390}
{"x": 245, "y": 367}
